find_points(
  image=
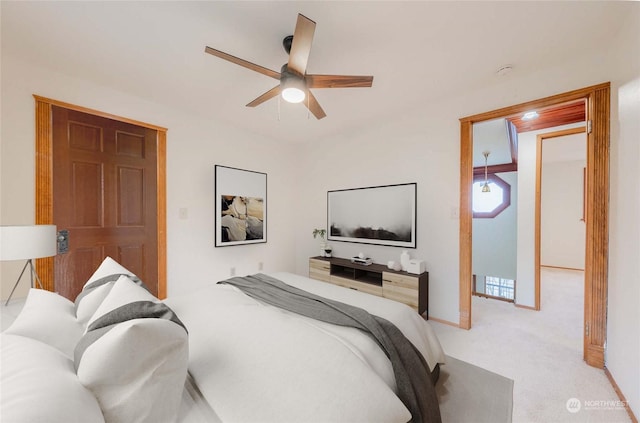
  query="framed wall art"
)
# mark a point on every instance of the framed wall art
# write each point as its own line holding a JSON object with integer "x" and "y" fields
{"x": 240, "y": 206}
{"x": 383, "y": 215}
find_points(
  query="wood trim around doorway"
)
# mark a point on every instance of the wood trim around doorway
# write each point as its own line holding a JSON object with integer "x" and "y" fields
{"x": 44, "y": 183}
{"x": 597, "y": 99}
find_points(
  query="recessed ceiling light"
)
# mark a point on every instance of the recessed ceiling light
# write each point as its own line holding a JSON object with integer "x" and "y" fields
{"x": 530, "y": 115}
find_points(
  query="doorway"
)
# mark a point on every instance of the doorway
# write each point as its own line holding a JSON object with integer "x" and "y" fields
{"x": 45, "y": 195}
{"x": 554, "y": 254}
{"x": 597, "y": 100}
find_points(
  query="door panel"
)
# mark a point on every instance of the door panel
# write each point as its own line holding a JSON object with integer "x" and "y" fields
{"x": 104, "y": 189}
{"x": 86, "y": 194}
{"x": 131, "y": 195}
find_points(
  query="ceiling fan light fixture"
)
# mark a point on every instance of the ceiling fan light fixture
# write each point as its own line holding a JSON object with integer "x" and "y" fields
{"x": 294, "y": 90}
{"x": 293, "y": 95}
{"x": 294, "y": 81}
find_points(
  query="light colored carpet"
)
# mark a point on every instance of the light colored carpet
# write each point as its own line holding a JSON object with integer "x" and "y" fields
{"x": 541, "y": 351}
{"x": 470, "y": 394}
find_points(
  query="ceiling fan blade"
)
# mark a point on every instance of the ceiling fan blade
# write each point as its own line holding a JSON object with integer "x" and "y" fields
{"x": 338, "y": 81}
{"x": 314, "y": 107}
{"x": 241, "y": 62}
{"x": 266, "y": 96}
{"x": 301, "y": 46}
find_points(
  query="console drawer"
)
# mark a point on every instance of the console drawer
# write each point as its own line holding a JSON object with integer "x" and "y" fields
{"x": 401, "y": 288}
{"x": 360, "y": 286}
{"x": 319, "y": 269}
{"x": 402, "y": 281}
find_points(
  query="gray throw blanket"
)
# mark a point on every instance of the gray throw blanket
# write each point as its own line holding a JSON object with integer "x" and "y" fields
{"x": 415, "y": 388}
{"x": 124, "y": 313}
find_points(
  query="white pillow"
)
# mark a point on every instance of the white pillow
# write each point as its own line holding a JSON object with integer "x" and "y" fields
{"x": 49, "y": 318}
{"x": 90, "y": 298}
{"x": 108, "y": 267}
{"x": 39, "y": 385}
{"x": 134, "y": 356}
{"x": 124, "y": 291}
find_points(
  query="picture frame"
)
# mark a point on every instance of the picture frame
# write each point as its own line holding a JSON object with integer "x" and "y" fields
{"x": 240, "y": 206}
{"x": 380, "y": 215}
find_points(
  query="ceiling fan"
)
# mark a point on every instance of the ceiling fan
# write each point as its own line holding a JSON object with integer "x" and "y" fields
{"x": 295, "y": 83}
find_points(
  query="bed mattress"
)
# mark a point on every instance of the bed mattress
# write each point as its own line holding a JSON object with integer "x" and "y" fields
{"x": 252, "y": 362}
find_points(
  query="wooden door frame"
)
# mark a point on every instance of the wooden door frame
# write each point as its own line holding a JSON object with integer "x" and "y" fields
{"x": 44, "y": 183}
{"x": 597, "y": 99}
{"x": 538, "y": 204}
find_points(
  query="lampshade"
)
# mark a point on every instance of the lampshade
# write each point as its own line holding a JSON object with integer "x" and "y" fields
{"x": 293, "y": 89}
{"x": 27, "y": 242}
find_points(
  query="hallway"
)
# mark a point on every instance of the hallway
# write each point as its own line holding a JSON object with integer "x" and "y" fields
{"x": 541, "y": 351}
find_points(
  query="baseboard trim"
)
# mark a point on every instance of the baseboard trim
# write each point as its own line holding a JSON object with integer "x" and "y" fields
{"x": 526, "y": 307}
{"x": 620, "y": 395}
{"x": 445, "y": 322}
{"x": 492, "y": 297}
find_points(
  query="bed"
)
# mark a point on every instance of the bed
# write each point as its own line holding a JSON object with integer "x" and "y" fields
{"x": 305, "y": 370}
{"x": 243, "y": 360}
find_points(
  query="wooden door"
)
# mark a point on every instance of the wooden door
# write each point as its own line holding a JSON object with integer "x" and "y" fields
{"x": 105, "y": 195}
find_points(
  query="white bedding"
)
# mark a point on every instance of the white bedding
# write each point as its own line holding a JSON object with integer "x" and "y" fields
{"x": 257, "y": 363}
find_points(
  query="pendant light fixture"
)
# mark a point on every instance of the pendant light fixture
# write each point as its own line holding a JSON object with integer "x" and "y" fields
{"x": 485, "y": 187}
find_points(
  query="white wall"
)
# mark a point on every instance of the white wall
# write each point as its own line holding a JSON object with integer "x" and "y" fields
{"x": 622, "y": 355}
{"x": 194, "y": 146}
{"x": 495, "y": 240}
{"x": 562, "y": 230}
{"x": 410, "y": 149}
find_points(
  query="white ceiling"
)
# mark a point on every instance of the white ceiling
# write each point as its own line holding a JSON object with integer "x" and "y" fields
{"x": 417, "y": 51}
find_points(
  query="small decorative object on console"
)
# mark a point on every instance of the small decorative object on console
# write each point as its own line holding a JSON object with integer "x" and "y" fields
{"x": 365, "y": 261}
{"x": 416, "y": 266}
{"x": 320, "y": 233}
{"x": 404, "y": 259}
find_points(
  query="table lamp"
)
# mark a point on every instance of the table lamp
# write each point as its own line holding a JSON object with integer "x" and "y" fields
{"x": 27, "y": 243}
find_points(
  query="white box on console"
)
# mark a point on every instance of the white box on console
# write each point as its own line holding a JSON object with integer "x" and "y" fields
{"x": 416, "y": 267}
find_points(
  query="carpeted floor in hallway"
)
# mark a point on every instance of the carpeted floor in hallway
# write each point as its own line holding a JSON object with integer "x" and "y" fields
{"x": 541, "y": 351}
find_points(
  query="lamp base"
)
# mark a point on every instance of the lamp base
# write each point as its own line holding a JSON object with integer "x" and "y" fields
{"x": 32, "y": 272}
